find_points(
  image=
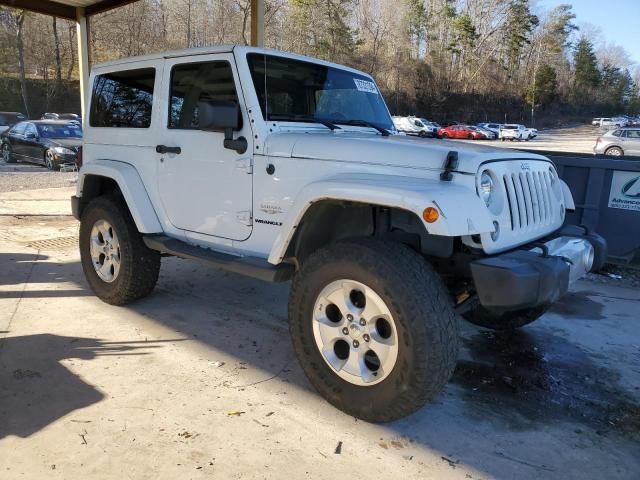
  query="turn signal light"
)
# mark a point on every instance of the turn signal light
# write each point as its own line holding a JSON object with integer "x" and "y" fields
{"x": 430, "y": 214}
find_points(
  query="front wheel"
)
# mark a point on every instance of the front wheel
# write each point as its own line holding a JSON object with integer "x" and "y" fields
{"x": 117, "y": 264}
{"x": 7, "y": 153}
{"x": 49, "y": 160}
{"x": 373, "y": 328}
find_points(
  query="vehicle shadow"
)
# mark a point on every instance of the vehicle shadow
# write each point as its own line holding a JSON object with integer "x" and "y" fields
{"x": 20, "y": 268}
{"x": 36, "y": 389}
{"x": 506, "y": 384}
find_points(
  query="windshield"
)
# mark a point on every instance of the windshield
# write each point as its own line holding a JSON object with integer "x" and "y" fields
{"x": 294, "y": 90}
{"x": 51, "y": 130}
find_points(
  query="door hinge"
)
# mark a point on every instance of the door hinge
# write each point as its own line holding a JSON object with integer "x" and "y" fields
{"x": 245, "y": 217}
{"x": 245, "y": 164}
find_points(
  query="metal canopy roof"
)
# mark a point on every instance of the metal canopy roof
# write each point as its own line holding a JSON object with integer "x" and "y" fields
{"x": 66, "y": 8}
{"x": 80, "y": 10}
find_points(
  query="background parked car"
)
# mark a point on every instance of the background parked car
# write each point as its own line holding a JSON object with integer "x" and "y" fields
{"x": 415, "y": 126}
{"x": 10, "y": 118}
{"x": 60, "y": 116}
{"x": 596, "y": 121}
{"x": 494, "y": 127}
{"x": 516, "y": 131}
{"x": 613, "y": 122}
{"x": 49, "y": 142}
{"x": 488, "y": 134}
{"x": 620, "y": 142}
{"x": 461, "y": 131}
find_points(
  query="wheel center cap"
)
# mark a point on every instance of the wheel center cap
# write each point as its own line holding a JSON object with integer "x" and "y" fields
{"x": 355, "y": 331}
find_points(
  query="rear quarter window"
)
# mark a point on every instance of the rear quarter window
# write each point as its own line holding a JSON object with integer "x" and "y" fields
{"x": 123, "y": 99}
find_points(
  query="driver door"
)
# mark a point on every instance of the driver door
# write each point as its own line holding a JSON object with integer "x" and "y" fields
{"x": 205, "y": 188}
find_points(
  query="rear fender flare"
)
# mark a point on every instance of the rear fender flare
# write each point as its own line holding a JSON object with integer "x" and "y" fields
{"x": 130, "y": 184}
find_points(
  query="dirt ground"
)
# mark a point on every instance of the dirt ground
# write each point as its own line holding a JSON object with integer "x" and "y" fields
{"x": 199, "y": 381}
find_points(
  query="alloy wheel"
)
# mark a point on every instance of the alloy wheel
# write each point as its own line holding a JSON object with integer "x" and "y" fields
{"x": 105, "y": 251}
{"x": 355, "y": 332}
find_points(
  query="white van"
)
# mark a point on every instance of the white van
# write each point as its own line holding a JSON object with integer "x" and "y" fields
{"x": 416, "y": 126}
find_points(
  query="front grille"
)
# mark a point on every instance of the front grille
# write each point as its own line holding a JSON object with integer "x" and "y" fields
{"x": 530, "y": 199}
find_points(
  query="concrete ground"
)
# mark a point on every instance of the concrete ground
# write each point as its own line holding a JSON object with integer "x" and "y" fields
{"x": 199, "y": 381}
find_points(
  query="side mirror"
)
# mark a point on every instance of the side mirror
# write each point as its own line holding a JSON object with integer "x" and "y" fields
{"x": 30, "y": 135}
{"x": 223, "y": 117}
{"x": 219, "y": 116}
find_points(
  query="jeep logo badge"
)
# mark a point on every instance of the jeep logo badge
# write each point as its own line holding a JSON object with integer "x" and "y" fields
{"x": 631, "y": 189}
{"x": 525, "y": 166}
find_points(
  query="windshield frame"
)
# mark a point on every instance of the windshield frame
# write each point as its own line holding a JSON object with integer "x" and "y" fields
{"x": 387, "y": 124}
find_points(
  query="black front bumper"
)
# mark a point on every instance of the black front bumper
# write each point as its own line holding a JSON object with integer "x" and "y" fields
{"x": 523, "y": 279}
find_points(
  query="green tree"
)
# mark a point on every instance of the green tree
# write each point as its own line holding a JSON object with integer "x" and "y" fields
{"x": 558, "y": 29}
{"x": 587, "y": 74}
{"x": 415, "y": 19}
{"x": 544, "y": 90}
{"x": 517, "y": 30}
{"x": 323, "y": 25}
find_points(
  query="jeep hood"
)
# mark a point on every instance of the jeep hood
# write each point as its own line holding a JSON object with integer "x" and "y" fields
{"x": 395, "y": 150}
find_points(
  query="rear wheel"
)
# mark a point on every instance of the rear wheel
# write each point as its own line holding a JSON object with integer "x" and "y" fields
{"x": 7, "y": 153}
{"x": 614, "y": 152}
{"x": 445, "y": 135}
{"x": 373, "y": 328}
{"x": 117, "y": 264}
{"x": 470, "y": 136}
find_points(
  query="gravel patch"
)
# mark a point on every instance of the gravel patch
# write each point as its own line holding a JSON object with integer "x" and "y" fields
{"x": 617, "y": 276}
{"x": 17, "y": 177}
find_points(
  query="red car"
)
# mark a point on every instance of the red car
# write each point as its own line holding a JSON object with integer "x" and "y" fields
{"x": 460, "y": 131}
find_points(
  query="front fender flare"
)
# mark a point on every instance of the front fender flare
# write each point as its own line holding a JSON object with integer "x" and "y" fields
{"x": 462, "y": 212}
{"x": 132, "y": 188}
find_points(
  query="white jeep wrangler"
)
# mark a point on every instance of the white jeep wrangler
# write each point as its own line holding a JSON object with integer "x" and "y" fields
{"x": 284, "y": 167}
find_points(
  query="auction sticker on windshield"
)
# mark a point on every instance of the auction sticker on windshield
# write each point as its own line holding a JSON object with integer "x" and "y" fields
{"x": 365, "y": 86}
{"x": 625, "y": 191}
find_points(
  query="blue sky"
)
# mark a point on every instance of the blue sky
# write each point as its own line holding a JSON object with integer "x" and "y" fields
{"x": 619, "y": 20}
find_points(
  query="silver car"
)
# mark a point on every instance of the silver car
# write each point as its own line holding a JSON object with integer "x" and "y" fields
{"x": 619, "y": 142}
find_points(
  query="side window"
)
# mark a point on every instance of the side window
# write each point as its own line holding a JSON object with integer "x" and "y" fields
{"x": 617, "y": 133}
{"x": 19, "y": 128}
{"x": 198, "y": 82}
{"x": 633, "y": 133}
{"x": 31, "y": 129}
{"x": 123, "y": 99}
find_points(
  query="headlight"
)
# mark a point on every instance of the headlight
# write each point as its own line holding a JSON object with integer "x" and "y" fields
{"x": 486, "y": 188}
{"x": 63, "y": 151}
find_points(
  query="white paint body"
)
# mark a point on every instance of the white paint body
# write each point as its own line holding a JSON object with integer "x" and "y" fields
{"x": 215, "y": 198}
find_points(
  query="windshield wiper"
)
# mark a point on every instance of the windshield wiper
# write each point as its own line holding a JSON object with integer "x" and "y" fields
{"x": 305, "y": 118}
{"x": 364, "y": 123}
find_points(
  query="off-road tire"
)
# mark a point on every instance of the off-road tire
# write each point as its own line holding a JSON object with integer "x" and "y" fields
{"x": 422, "y": 312}
{"x": 140, "y": 265}
{"x": 508, "y": 321}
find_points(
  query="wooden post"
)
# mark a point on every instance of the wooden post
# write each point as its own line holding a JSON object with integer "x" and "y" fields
{"x": 82, "y": 26}
{"x": 257, "y": 23}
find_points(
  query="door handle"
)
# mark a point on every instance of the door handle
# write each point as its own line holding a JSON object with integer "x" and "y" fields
{"x": 165, "y": 149}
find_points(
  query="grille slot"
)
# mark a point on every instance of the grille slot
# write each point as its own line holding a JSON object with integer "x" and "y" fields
{"x": 529, "y": 199}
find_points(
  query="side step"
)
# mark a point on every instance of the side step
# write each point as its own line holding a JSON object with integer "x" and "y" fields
{"x": 249, "y": 266}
